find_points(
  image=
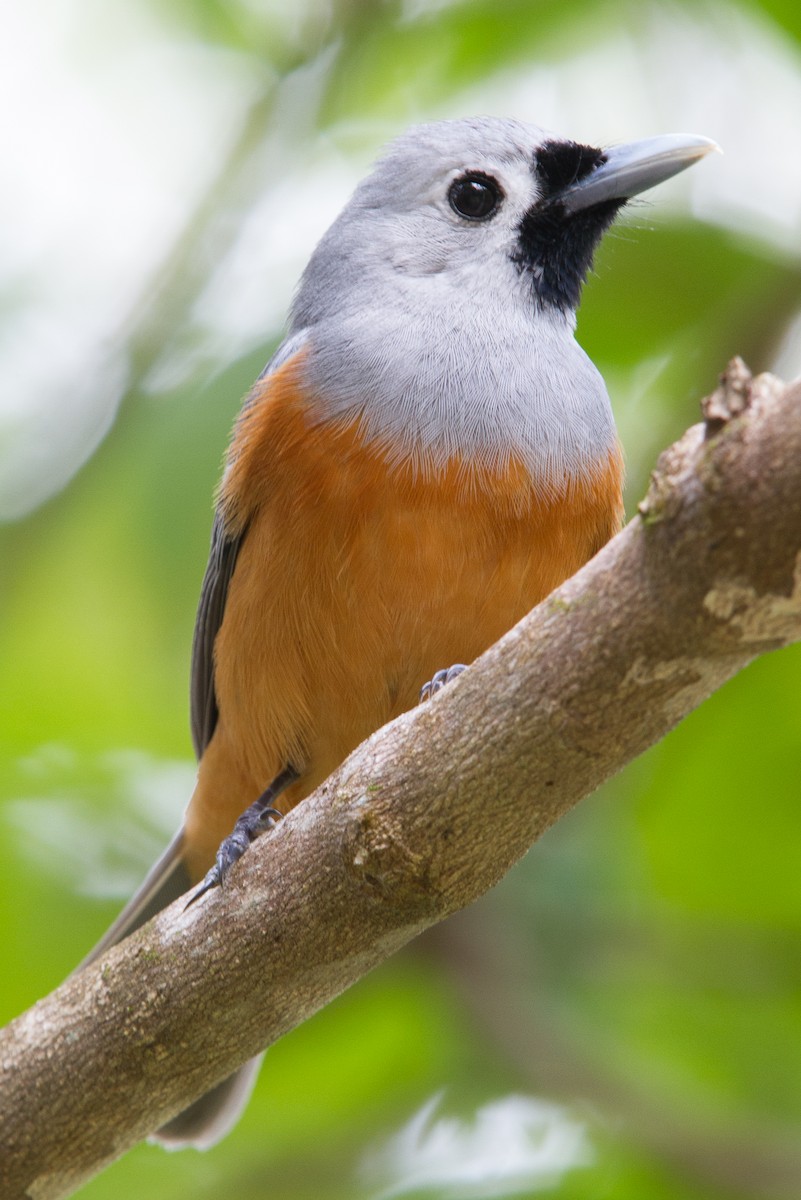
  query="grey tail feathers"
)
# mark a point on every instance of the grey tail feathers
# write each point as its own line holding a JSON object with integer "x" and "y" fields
{"x": 165, "y": 882}
{"x": 213, "y": 1115}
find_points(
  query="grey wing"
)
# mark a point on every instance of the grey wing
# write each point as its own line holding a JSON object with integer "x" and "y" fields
{"x": 213, "y": 594}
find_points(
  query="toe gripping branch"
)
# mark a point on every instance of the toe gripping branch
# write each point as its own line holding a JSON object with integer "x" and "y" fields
{"x": 254, "y": 821}
{"x": 439, "y": 680}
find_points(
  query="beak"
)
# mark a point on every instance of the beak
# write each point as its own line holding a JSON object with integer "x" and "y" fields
{"x": 633, "y": 168}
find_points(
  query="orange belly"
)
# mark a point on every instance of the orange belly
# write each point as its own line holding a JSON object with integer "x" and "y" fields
{"x": 355, "y": 582}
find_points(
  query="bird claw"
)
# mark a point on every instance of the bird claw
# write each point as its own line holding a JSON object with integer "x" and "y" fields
{"x": 439, "y": 680}
{"x": 210, "y": 880}
{"x": 253, "y": 822}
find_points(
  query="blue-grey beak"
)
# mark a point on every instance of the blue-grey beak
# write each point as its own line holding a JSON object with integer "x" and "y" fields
{"x": 635, "y": 167}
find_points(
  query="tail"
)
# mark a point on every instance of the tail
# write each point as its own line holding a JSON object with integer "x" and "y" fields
{"x": 212, "y": 1116}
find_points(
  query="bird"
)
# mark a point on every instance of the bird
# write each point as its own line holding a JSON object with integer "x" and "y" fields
{"x": 427, "y": 455}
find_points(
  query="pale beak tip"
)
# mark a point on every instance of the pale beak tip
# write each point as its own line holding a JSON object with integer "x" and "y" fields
{"x": 708, "y": 146}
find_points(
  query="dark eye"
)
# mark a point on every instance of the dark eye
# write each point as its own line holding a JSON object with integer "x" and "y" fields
{"x": 474, "y": 196}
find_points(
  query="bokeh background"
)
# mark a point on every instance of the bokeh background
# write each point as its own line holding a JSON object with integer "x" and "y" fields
{"x": 621, "y": 1018}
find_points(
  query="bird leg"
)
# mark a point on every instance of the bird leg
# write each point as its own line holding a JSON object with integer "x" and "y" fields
{"x": 255, "y": 820}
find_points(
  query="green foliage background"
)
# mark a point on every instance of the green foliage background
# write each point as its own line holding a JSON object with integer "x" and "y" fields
{"x": 642, "y": 964}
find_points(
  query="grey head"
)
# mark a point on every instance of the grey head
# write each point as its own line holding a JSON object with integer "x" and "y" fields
{"x": 439, "y": 308}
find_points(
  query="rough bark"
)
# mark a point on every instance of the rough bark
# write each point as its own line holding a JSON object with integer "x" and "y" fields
{"x": 432, "y": 810}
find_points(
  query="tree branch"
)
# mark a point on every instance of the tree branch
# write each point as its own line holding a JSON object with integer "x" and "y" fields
{"x": 433, "y": 809}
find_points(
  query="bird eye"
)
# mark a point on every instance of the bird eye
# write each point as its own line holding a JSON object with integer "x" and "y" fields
{"x": 474, "y": 196}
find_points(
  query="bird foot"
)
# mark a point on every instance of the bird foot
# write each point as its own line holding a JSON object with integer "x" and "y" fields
{"x": 258, "y": 819}
{"x": 438, "y": 681}
{"x": 249, "y": 826}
